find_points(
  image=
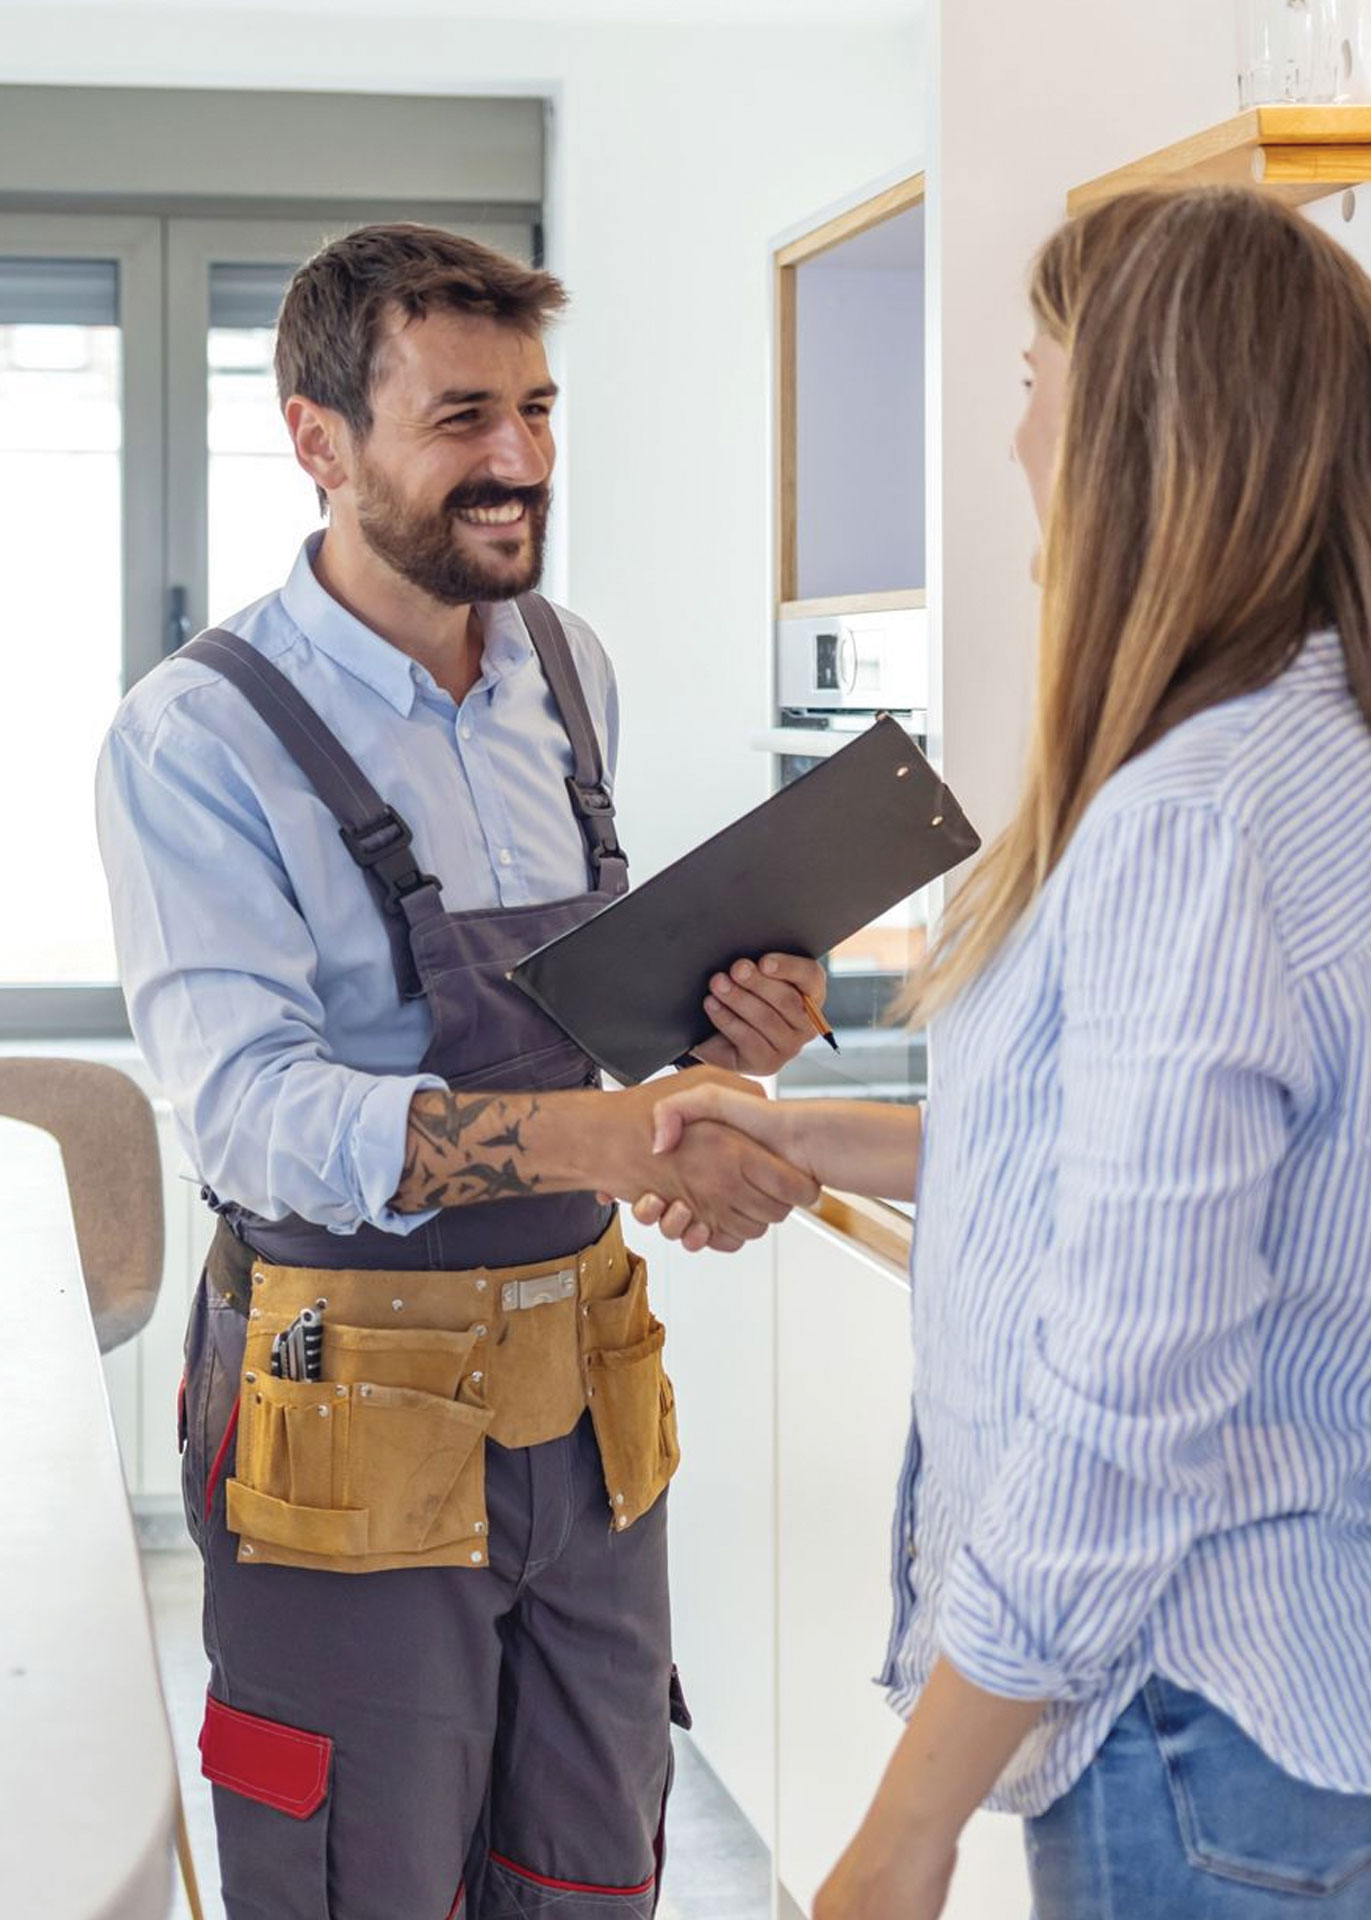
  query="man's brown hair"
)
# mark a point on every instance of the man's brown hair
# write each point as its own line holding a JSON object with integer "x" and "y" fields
{"x": 334, "y": 313}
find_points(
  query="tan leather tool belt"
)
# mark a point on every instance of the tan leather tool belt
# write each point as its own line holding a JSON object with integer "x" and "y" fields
{"x": 381, "y": 1462}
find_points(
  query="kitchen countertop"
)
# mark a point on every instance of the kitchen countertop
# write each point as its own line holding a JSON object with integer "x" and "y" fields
{"x": 87, "y": 1780}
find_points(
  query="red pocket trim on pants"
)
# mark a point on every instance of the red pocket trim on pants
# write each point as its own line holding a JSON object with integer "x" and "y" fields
{"x": 265, "y": 1760}
{"x": 217, "y": 1468}
{"x": 571, "y": 1886}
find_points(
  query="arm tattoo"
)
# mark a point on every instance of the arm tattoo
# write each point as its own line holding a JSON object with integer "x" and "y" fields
{"x": 444, "y": 1166}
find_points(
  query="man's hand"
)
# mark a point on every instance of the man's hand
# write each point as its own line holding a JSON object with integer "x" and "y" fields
{"x": 731, "y": 1187}
{"x": 710, "y": 1100}
{"x": 758, "y": 1014}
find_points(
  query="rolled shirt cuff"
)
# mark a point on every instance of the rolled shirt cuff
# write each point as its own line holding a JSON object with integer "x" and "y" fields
{"x": 377, "y": 1151}
{"x": 980, "y": 1633}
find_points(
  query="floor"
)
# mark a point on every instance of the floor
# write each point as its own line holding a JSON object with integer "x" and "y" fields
{"x": 717, "y": 1869}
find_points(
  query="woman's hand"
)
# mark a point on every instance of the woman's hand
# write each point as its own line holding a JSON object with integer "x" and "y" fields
{"x": 891, "y": 1876}
{"x": 758, "y": 1012}
{"x": 958, "y": 1742}
{"x": 723, "y": 1102}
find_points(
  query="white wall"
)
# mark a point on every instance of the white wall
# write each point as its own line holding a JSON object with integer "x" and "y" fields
{"x": 678, "y": 152}
{"x": 1023, "y": 102}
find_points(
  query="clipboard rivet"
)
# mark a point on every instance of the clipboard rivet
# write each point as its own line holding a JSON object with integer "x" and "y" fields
{"x": 902, "y": 773}
{"x": 936, "y": 821}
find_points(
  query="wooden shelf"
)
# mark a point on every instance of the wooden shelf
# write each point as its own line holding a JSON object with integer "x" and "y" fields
{"x": 902, "y": 600}
{"x": 1299, "y": 153}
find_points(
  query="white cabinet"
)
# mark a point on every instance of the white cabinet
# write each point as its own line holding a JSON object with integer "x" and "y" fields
{"x": 843, "y": 1383}
{"x": 719, "y": 1352}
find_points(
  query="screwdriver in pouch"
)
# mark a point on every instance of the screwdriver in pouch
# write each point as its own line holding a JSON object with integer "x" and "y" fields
{"x": 311, "y": 1343}
{"x": 297, "y": 1353}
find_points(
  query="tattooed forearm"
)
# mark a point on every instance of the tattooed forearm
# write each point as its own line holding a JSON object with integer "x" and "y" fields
{"x": 443, "y": 1164}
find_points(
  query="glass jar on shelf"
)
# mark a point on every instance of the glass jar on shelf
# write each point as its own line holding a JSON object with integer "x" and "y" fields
{"x": 1315, "y": 52}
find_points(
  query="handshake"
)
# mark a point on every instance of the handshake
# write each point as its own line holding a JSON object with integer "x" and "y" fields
{"x": 706, "y": 1157}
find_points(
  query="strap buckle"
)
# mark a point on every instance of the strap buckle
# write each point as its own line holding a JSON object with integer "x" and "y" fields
{"x": 381, "y": 846}
{"x": 595, "y": 811}
{"x": 544, "y": 1291}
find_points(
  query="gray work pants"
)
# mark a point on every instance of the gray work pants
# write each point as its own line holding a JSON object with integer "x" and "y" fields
{"x": 500, "y": 1736}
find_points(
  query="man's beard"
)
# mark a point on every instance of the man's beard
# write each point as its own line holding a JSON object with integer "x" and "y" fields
{"x": 429, "y": 550}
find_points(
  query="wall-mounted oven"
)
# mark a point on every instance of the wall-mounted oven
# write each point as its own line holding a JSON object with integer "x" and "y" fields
{"x": 835, "y": 671}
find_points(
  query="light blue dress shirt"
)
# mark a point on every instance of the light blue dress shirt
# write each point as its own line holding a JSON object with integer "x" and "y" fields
{"x": 1142, "y": 1265}
{"x": 254, "y": 957}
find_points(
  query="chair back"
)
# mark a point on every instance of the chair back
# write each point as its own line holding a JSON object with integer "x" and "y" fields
{"x": 104, "y": 1124}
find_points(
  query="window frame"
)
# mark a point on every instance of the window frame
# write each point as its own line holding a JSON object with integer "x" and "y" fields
{"x": 163, "y": 258}
{"x": 135, "y": 244}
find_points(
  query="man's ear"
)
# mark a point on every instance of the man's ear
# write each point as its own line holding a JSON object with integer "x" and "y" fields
{"x": 323, "y": 444}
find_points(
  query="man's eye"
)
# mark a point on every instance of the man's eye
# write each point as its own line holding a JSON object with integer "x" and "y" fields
{"x": 539, "y": 408}
{"x": 459, "y": 419}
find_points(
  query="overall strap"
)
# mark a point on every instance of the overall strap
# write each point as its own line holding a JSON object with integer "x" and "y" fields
{"x": 373, "y": 832}
{"x": 586, "y": 785}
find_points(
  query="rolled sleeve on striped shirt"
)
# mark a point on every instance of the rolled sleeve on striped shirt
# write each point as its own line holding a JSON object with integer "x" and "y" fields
{"x": 1180, "y": 1044}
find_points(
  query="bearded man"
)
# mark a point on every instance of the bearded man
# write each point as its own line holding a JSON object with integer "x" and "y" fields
{"x": 425, "y": 1425}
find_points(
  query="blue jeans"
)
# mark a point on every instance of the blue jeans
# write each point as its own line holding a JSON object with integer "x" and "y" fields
{"x": 1181, "y": 1817}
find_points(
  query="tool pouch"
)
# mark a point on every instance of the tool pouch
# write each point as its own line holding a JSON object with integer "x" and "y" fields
{"x": 379, "y": 1464}
{"x": 630, "y": 1398}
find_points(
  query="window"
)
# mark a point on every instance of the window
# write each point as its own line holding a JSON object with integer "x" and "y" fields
{"x": 147, "y": 488}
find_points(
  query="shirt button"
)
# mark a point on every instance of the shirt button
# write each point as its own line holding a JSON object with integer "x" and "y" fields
{"x": 505, "y": 856}
{"x": 464, "y": 732}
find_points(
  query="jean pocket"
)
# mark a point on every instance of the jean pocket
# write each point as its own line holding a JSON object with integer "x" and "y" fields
{"x": 1243, "y": 1818}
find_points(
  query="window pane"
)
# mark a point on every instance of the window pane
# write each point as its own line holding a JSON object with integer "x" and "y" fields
{"x": 261, "y": 505}
{"x": 60, "y": 480}
{"x": 58, "y": 292}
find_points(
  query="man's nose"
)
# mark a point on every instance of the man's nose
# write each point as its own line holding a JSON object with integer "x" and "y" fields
{"x": 517, "y": 455}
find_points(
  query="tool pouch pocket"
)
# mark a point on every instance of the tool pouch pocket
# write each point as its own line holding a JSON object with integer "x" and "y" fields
{"x": 379, "y": 1464}
{"x": 632, "y": 1403}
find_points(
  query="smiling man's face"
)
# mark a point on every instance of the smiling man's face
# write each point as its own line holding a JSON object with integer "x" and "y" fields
{"x": 451, "y": 484}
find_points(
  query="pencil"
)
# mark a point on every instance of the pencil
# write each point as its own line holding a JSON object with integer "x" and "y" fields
{"x": 819, "y": 1024}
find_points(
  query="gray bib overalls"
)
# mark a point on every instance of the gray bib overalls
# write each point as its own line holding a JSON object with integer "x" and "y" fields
{"x": 438, "y": 1740}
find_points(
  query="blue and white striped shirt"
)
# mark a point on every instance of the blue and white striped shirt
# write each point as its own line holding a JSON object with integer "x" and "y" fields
{"x": 1142, "y": 1265}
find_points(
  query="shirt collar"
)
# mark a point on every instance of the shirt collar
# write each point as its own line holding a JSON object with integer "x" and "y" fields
{"x": 1321, "y": 658}
{"x": 362, "y": 652}
{"x": 508, "y": 646}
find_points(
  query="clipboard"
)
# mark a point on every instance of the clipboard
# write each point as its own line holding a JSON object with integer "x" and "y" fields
{"x": 808, "y": 868}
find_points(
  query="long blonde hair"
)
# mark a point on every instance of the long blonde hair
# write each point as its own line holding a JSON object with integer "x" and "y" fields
{"x": 1211, "y": 504}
